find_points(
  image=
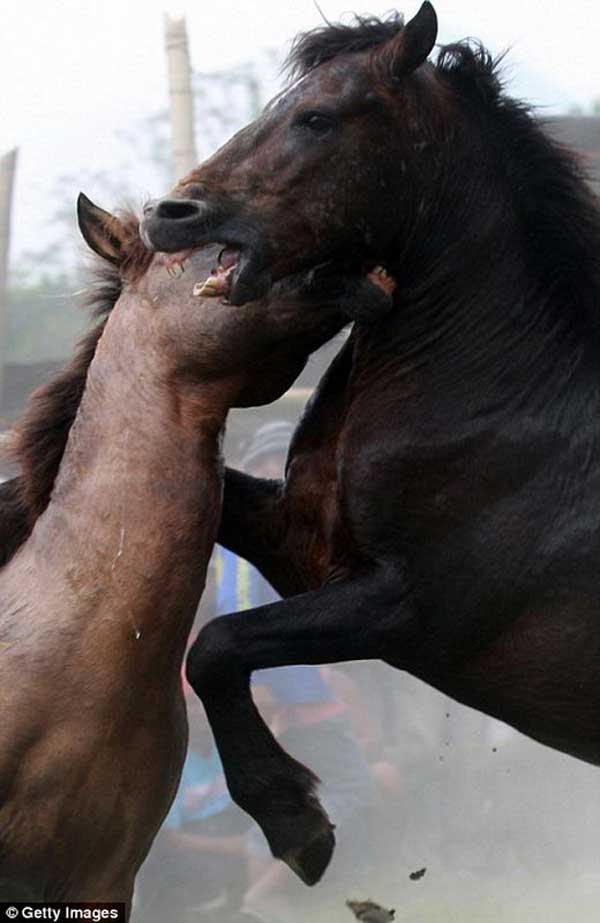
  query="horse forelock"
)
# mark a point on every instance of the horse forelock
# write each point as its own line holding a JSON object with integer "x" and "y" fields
{"x": 311, "y": 49}
{"x": 41, "y": 433}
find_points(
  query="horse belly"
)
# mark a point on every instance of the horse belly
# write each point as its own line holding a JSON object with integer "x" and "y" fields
{"x": 542, "y": 676}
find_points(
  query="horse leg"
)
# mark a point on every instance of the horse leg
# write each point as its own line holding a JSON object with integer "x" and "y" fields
{"x": 252, "y": 527}
{"x": 355, "y": 619}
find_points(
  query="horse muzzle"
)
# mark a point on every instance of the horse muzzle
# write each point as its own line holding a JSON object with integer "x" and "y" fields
{"x": 171, "y": 225}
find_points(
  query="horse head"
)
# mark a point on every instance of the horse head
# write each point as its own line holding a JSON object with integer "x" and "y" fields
{"x": 307, "y": 180}
{"x": 252, "y": 354}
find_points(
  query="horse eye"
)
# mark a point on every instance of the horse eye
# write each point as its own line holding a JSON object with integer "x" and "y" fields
{"x": 315, "y": 122}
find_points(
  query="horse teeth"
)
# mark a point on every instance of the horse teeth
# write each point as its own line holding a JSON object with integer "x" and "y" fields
{"x": 208, "y": 288}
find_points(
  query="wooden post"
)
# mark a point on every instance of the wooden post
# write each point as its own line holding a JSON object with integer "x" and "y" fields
{"x": 8, "y": 165}
{"x": 183, "y": 144}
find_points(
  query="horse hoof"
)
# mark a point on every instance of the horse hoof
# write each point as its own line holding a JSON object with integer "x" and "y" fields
{"x": 302, "y": 838}
{"x": 310, "y": 862}
{"x": 293, "y": 821}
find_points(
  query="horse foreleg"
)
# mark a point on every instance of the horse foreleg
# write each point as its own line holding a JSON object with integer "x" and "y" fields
{"x": 252, "y": 527}
{"x": 355, "y": 619}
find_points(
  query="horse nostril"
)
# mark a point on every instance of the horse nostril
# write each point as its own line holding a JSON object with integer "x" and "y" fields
{"x": 149, "y": 208}
{"x": 177, "y": 209}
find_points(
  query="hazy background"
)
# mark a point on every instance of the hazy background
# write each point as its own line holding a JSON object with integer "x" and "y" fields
{"x": 76, "y": 75}
{"x": 507, "y": 830}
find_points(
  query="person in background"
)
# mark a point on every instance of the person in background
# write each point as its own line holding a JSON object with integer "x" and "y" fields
{"x": 197, "y": 870}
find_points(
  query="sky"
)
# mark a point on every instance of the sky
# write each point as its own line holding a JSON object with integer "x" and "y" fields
{"x": 74, "y": 74}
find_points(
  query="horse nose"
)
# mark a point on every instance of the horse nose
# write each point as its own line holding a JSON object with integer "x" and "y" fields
{"x": 149, "y": 207}
{"x": 179, "y": 209}
{"x": 177, "y": 224}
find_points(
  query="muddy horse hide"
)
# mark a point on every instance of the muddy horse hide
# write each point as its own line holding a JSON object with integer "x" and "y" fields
{"x": 106, "y": 537}
{"x": 441, "y": 506}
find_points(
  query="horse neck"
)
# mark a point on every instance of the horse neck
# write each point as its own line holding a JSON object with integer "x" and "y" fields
{"x": 480, "y": 308}
{"x": 131, "y": 522}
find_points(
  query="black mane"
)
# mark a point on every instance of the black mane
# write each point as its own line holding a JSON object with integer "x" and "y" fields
{"x": 472, "y": 69}
{"x": 549, "y": 185}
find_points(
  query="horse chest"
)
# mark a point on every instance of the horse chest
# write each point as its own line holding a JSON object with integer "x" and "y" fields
{"x": 320, "y": 541}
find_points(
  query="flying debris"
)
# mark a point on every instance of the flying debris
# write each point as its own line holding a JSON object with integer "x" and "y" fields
{"x": 369, "y": 912}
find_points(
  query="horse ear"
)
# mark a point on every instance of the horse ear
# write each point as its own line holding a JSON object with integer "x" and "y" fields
{"x": 102, "y": 232}
{"x": 411, "y": 47}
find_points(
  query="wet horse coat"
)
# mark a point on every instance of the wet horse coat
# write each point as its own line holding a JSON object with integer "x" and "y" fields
{"x": 441, "y": 505}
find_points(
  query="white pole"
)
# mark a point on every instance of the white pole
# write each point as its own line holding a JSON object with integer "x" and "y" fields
{"x": 8, "y": 164}
{"x": 183, "y": 144}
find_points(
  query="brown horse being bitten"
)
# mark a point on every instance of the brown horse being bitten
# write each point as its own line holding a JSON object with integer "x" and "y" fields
{"x": 119, "y": 501}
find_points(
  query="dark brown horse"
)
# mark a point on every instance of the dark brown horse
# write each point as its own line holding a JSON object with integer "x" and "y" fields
{"x": 441, "y": 508}
{"x": 106, "y": 536}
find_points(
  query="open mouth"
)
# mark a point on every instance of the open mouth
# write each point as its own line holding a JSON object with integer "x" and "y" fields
{"x": 220, "y": 281}
{"x": 241, "y": 274}
{"x": 234, "y": 280}
{"x": 235, "y": 277}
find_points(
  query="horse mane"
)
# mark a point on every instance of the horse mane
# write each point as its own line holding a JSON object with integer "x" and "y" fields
{"x": 558, "y": 211}
{"x": 41, "y": 433}
{"x": 471, "y": 65}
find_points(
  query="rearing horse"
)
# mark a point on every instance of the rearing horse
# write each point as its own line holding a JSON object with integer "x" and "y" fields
{"x": 111, "y": 526}
{"x": 441, "y": 506}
